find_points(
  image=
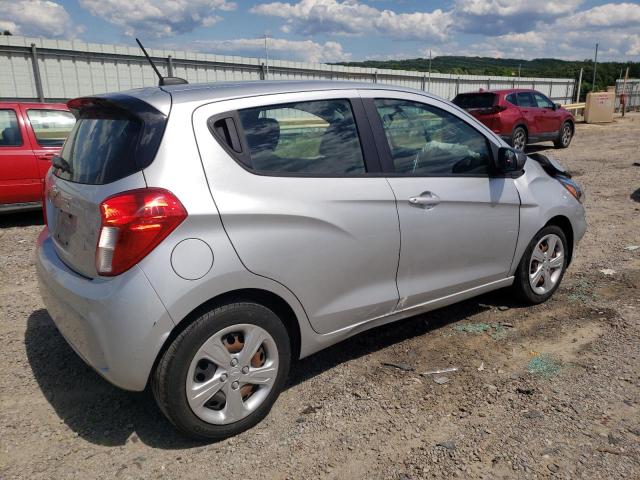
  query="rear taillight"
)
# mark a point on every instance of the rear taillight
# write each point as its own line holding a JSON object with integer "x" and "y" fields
{"x": 133, "y": 224}
{"x": 488, "y": 110}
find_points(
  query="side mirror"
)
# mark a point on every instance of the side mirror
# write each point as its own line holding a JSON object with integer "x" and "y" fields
{"x": 510, "y": 160}
{"x": 556, "y": 106}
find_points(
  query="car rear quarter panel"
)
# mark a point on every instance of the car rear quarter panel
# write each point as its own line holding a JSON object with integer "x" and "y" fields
{"x": 178, "y": 168}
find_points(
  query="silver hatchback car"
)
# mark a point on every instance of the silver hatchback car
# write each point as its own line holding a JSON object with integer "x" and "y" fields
{"x": 200, "y": 237}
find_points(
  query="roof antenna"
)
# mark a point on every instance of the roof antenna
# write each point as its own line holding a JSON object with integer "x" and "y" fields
{"x": 161, "y": 80}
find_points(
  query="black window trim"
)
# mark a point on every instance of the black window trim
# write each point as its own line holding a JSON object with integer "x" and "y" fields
{"x": 17, "y": 114}
{"x": 370, "y": 155}
{"x": 30, "y": 109}
{"x": 385, "y": 153}
{"x": 515, "y": 98}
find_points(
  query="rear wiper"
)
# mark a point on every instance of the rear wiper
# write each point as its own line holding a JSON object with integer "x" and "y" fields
{"x": 60, "y": 163}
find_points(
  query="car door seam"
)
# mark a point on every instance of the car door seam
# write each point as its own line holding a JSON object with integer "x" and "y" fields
{"x": 400, "y": 300}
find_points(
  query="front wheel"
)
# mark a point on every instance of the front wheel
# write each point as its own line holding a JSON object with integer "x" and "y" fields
{"x": 542, "y": 266}
{"x": 224, "y": 372}
{"x": 566, "y": 135}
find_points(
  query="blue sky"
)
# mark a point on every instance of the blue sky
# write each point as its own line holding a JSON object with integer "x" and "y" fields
{"x": 339, "y": 30}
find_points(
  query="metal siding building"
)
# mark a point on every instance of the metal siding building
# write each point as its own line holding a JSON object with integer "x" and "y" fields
{"x": 69, "y": 69}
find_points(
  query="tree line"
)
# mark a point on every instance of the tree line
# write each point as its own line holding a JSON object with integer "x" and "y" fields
{"x": 606, "y": 72}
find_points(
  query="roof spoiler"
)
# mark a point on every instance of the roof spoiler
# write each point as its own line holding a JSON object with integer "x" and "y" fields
{"x": 162, "y": 81}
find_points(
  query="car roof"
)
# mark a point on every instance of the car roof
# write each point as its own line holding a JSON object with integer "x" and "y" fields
{"x": 211, "y": 92}
{"x": 206, "y": 91}
{"x": 502, "y": 91}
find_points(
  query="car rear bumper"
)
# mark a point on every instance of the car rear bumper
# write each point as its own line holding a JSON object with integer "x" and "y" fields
{"x": 116, "y": 325}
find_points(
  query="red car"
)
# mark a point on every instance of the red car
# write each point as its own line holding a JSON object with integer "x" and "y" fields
{"x": 520, "y": 116}
{"x": 30, "y": 135}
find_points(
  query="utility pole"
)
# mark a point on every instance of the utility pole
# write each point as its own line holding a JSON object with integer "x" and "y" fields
{"x": 595, "y": 66}
{"x": 429, "y": 84}
{"x": 266, "y": 55}
{"x": 579, "y": 86}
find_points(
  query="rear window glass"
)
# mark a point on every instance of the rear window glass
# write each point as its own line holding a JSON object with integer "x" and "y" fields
{"x": 51, "y": 127}
{"x": 475, "y": 100}
{"x": 10, "y": 135}
{"x": 318, "y": 137}
{"x": 101, "y": 147}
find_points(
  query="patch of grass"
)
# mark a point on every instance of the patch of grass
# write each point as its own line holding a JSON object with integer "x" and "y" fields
{"x": 498, "y": 331}
{"x": 544, "y": 365}
{"x": 582, "y": 291}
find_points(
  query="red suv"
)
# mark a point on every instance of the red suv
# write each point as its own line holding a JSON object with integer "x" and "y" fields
{"x": 30, "y": 135}
{"x": 520, "y": 116}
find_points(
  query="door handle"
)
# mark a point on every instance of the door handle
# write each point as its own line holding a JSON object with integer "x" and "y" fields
{"x": 46, "y": 156}
{"x": 426, "y": 200}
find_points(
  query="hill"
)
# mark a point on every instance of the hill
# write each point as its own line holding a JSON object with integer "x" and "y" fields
{"x": 606, "y": 72}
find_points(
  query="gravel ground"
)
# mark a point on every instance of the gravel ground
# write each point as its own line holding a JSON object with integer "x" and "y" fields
{"x": 545, "y": 391}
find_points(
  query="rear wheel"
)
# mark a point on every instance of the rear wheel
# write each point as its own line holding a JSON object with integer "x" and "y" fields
{"x": 566, "y": 134}
{"x": 542, "y": 266}
{"x": 223, "y": 373}
{"x": 519, "y": 138}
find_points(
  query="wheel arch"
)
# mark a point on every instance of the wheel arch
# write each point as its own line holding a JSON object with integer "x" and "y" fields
{"x": 564, "y": 224}
{"x": 263, "y": 297}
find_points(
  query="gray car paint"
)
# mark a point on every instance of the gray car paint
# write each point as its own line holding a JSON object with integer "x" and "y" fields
{"x": 287, "y": 236}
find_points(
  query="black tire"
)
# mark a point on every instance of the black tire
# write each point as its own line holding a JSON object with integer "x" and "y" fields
{"x": 168, "y": 382}
{"x": 564, "y": 141}
{"x": 521, "y": 286}
{"x": 519, "y": 138}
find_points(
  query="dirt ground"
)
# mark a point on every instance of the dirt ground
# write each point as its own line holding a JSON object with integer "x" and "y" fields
{"x": 546, "y": 391}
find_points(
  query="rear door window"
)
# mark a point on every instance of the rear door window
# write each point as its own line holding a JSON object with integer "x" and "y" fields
{"x": 525, "y": 99}
{"x": 10, "y": 135}
{"x": 51, "y": 127}
{"x": 316, "y": 137}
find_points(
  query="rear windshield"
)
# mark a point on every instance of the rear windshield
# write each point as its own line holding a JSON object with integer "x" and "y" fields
{"x": 475, "y": 100}
{"x": 101, "y": 147}
{"x": 110, "y": 141}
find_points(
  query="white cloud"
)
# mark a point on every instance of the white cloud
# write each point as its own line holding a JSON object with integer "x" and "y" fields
{"x": 37, "y": 17}
{"x": 349, "y": 17}
{"x": 279, "y": 48}
{"x": 497, "y": 17}
{"x": 606, "y": 16}
{"x": 158, "y": 18}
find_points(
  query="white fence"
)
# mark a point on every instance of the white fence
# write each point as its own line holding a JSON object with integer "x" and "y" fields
{"x": 631, "y": 92}
{"x": 42, "y": 69}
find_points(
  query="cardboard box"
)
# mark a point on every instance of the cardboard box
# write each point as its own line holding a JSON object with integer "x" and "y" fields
{"x": 599, "y": 107}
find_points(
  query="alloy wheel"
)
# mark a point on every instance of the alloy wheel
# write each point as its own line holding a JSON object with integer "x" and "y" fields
{"x": 232, "y": 373}
{"x": 546, "y": 264}
{"x": 566, "y": 134}
{"x": 519, "y": 139}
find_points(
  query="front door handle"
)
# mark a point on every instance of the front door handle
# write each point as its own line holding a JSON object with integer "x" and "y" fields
{"x": 46, "y": 156}
{"x": 426, "y": 200}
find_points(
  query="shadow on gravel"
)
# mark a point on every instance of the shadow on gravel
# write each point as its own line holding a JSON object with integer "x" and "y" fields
{"x": 21, "y": 219}
{"x": 635, "y": 195}
{"x": 537, "y": 148}
{"x": 106, "y": 415}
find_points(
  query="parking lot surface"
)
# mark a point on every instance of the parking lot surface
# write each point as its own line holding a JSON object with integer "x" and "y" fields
{"x": 545, "y": 391}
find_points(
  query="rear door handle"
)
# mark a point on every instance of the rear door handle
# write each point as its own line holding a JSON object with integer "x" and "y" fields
{"x": 426, "y": 200}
